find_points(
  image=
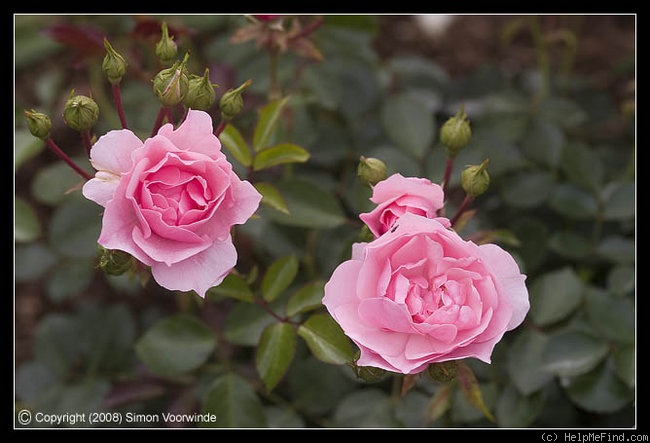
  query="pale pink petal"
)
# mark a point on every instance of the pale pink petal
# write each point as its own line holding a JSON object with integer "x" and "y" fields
{"x": 510, "y": 279}
{"x": 101, "y": 188}
{"x": 385, "y": 314}
{"x": 194, "y": 134}
{"x": 199, "y": 272}
{"x": 340, "y": 289}
{"x": 112, "y": 151}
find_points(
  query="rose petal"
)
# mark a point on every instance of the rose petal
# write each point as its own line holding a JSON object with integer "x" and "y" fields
{"x": 383, "y": 313}
{"x": 194, "y": 134}
{"x": 199, "y": 272}
{"x": 112, "y": 151}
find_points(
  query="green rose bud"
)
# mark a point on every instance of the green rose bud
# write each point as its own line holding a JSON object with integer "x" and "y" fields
{"x": 200, "y": 93}
{"x": 166, "y": 48}
{"x": 231, "y": 102}
{"x": 371, "y": 374}
{"x": 113, "y": 65}
{"x": 475, "y": 179}
{"x": 38, "y": 123}
{"x": 171, "y": 84}
{"x": 443, "y": 372}
{"x": 455, "y": 133}
{"x": 80, "y": 112}
{"x": 114, "y": 261}
{"x": 371, "y": 170}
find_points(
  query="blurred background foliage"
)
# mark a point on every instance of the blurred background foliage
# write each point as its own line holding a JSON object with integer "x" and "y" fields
{"x": 557, "y": 126}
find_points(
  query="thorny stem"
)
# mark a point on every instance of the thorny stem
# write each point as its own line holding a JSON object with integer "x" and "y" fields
{"x": 220, "y": 127}
{"x": 63, "y": 156}
{"x": 85, "y": 138}
{"x": 449, "y": 166}
{"x": 159, "y": 119}
{"x": 463, "y": 207}
{"x": 117, "y": 98}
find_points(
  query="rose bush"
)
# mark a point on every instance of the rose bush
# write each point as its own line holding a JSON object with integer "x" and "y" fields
{"x": 398, "y": 195}
{"x": 171, "y": 201}
{"x": 420, "y": 294}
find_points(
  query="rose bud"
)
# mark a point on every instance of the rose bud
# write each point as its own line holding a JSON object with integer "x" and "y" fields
{"x": 171, "y": 84}
{"x": 200, "y": 93}
{"x": 38, "y": 123}
{"x": 113, "y": 65}
{"x": 166, "y": 48}
{"x": 80, "y": 112}
{"x": 371, "y": 170}
{"x": 114, "y": 261}
{"x": 231, "y": 102}
{"x": 455, "y": 133}
{"x": 475, "y": 179}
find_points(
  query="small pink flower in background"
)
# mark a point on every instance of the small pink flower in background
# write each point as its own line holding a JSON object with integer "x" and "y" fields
{"x": 266, "y": 17}
{"x": 420, "y": 294}
{"x": 171, "y": 201}
{"x": 398, "y": 195}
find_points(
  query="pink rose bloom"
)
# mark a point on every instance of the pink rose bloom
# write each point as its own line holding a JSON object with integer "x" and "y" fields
{"x": 171, "y": 201}
{"x": 421, "y": 294}
{"x": 398, "y": 195}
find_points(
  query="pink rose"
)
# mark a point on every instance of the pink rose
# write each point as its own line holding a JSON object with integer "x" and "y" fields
{"x": 171, "y": 201}
{"x": 398, "y": 195}
{"x": 420, "y": 294}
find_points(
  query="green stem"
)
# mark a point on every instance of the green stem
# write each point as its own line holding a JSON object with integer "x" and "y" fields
{"x": 274, "y": 88}
{"x": 542, "y": 58}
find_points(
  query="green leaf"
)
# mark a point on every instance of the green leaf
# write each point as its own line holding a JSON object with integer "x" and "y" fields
{"x": 275, "y": 353}
{"x": 75, "y": 227}
{"x": 625, "y": 364}
{"x": 543, "y": 143}
{"x": 439, "y": 403}
{"x": 306, "y": 298}
{"x": 463, "y": 410}
{"x": 245, "y": 323}
{"x": 569, "y": 244}
{"x": 272, "y": 197}
{"x": 69, "y": 279}
{"x": 26, "y": 146}
{"x": 52, "y": 183}
{"x": 32, "y": 261}
{"x": 515, "y": 410}
{"x": 409, "y": 123}
{"x": 617, "y": 249}
{"x": 527, "y": 189}
{"x": 279, "y": 276}
{"x": 621, "y": 280}
{"x": 309, "y": 206}
{"x": 613, "y": 317}
{"x": 471, "y": 390}
{"x": 278, "y": 155}
{"x": 326, "y": 339}
{"x": 233, "y": 402}
{"x": 234, "y": 142}
{"x": 573, "y": 202}
{"x": 27, "y": 227}
{"x": 620, "y": 203}
{"x": 525, "y": 362}
{"x": 369, "y": 408}
{"x": 175, "y": 345}
{"x": 600, "y": 390}
{"x": 233, "y": 286}
{"x": 267, "y": 122}
{"x": 555, "y": 295}
{"x": 570, "y": 353}
{"x": 582, "y": 166}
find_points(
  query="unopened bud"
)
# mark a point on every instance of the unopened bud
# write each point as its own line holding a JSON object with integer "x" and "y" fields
{"x": 443, "y": 372}
{"x": 371, "y": 170}
{"x": 475, "y": 179}
{"x": 171, "y": 84}
{"x": 231, "y": 102}
{"x": 38, "y": 123}
{"x": 114, "y": 261}
{"x": 200, "y": 93}
{"x": 81, "y": 112}
{"x": 113, "y": 65}
{"x": 371, "y": 374}
{"x": 455, "y": 133}
{"x": 166, "y": 47}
